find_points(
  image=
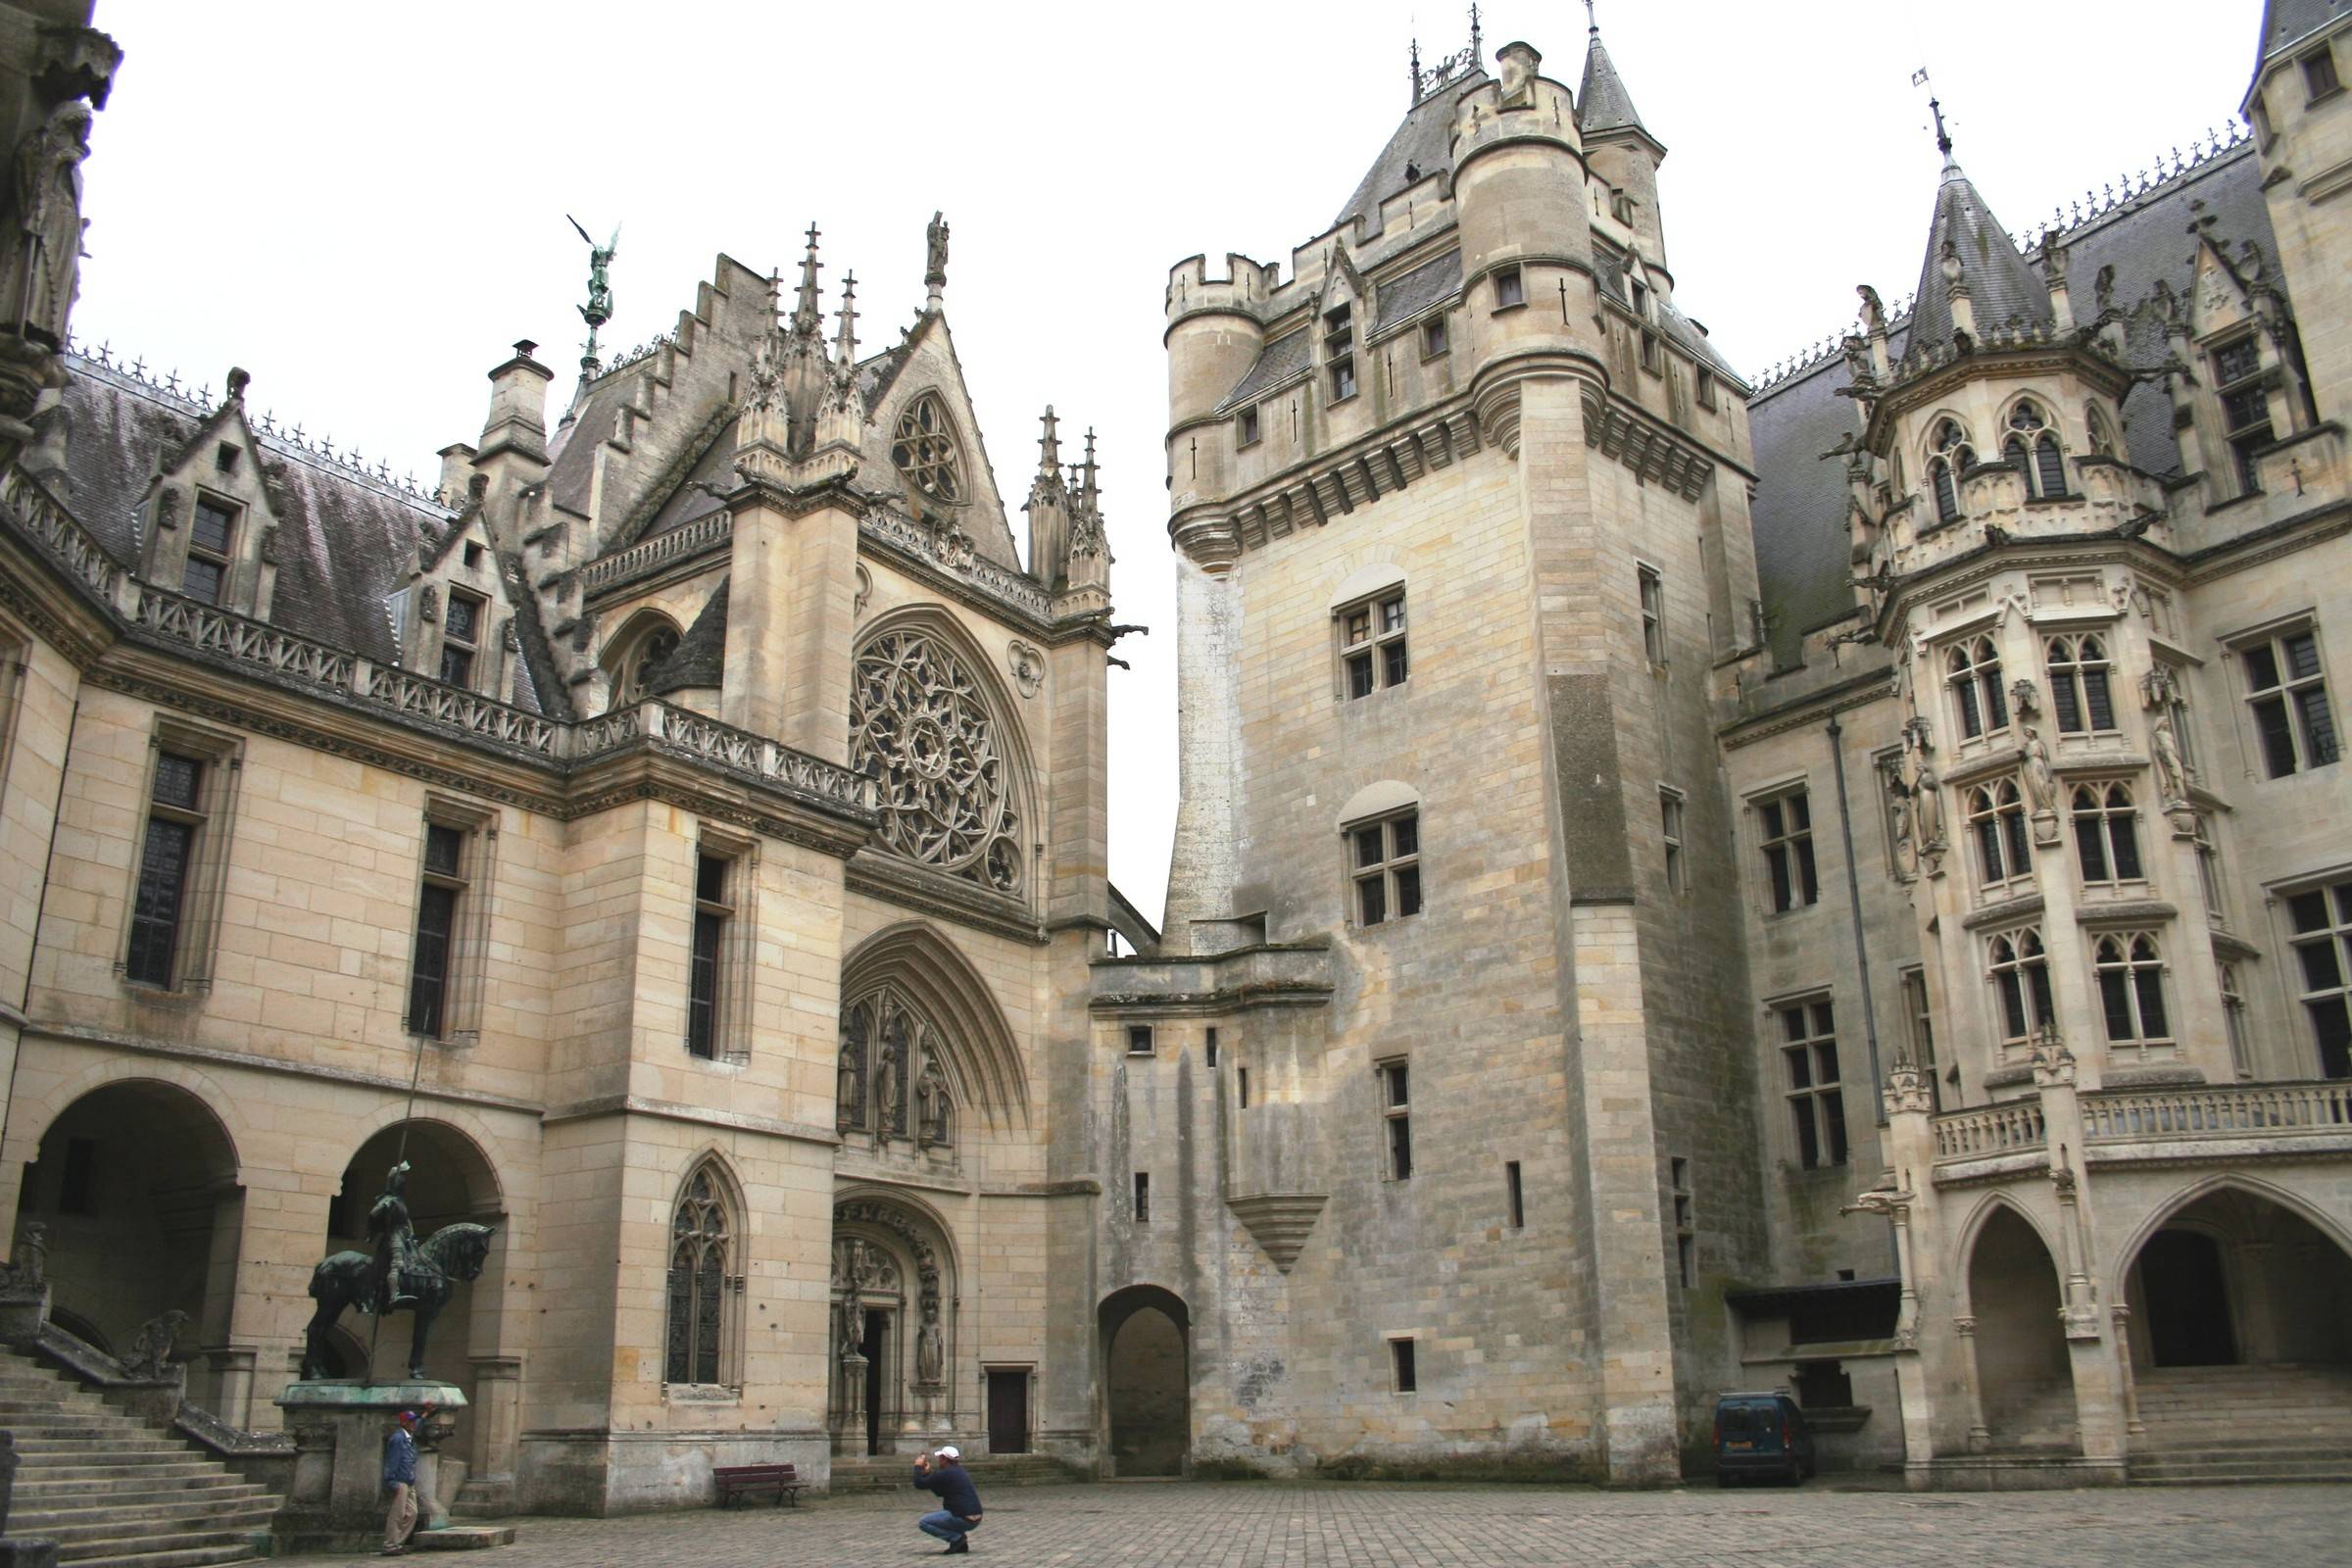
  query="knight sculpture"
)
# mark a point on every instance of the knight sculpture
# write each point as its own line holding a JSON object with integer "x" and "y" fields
{"x": 400, "y": 1274}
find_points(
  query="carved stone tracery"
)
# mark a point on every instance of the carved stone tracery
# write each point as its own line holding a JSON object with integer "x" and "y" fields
{"x": 921, "y": 728}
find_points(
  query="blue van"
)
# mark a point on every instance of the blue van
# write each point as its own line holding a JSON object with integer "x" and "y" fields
{"x": 1761, "y": 1435}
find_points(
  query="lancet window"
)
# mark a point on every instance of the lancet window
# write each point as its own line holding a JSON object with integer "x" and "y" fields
{"x": 700, "y": 1286}
{"x": 1952, "y": 458}
{"x": 1974, "y": 669}
{"x": 2032, "y": 449}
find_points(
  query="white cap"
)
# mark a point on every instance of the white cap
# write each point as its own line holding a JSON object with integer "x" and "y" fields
{"x": 950, "y": 1451}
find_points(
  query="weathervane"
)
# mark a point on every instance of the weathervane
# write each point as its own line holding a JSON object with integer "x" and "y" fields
{"x": 599, "y": 308}
{"x": 1944, "y": 138}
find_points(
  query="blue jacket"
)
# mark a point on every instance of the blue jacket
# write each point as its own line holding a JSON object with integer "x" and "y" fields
{"x": 954, "y": 1484}
{"x": 400, "y": 1459}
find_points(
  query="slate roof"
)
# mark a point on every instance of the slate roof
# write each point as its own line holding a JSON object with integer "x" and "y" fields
{"x": 701, "y": 655}
{"x": 344, "y": 541}
{"x": 1277, "y": 363}
{"x": 1424, "y": 140}
{"x": 1602, "y": 103}
{"x": 2003, "y": 289}
{"x": 571, "y": 452}
{"x": 1800, "y": 505}
{"x": 1417, "y": 290}
{"x": 2287, "y": 22}
{"x": 1683, "y": 330}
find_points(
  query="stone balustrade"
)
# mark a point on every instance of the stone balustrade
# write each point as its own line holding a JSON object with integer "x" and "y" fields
{"x": 2234, "y": 1111}
{"x": 37, "y": 514}
{"x": 2012, "y": 1127}
{"x": 649, "y": 555}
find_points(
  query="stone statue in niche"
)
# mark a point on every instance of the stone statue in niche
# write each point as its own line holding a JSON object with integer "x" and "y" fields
{"x": 931, "y": 1106}
{"x": 1926, "y": 797}
{"x": 42, "y": 276}
{"x": 2172, "y": 768}
{"x": 2041, "y": 784}
{"x": 886, "y": 1091}
{"x": 1898, "y": 817}
{"x": 930, "y": 1348}
{"x": 850, "y": 1109}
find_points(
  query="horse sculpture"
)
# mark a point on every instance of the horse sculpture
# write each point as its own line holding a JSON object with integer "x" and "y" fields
{"x": 437, "y": 1263}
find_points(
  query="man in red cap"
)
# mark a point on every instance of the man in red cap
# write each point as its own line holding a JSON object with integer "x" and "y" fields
{"x": 960, "y": 1515}
{"x": 400, "y": 1476}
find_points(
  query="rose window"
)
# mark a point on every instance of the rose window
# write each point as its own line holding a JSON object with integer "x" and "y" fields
{"x": 919, "y": 730}
{"x": 924, "y": 450}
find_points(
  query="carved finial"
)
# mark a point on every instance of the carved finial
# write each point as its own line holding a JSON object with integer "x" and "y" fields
{"x": 1477, "y": 53}
{"x": 1049, "y": 446}
{"x": 1416, "y": 72}
{"x": 846, "y": 343}
{"x": 1591, "y": 22}
{"x": 1089, "y": 486}
{"x": 935, "y": 258}
{"x": 1944, "y": 137}
{"x": 806, "y": 318}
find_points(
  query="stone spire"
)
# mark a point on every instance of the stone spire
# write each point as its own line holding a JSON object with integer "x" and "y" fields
{"x": 1602, "y": 104}
{"x": 845, "y": 342}
{"x": 1049, "y": 508}
{"x": 1972, "y": 284}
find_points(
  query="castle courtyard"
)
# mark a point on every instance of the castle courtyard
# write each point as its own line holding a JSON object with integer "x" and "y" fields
{"x": 1825, "y": 1523}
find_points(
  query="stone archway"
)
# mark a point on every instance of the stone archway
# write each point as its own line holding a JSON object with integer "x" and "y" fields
{"x": 1147, "y": 1382}
{"x": 450, "y": 1179}
{"x": 2228, "y": 1277}
{"x": 135, "y": 1188}
{"x": 2023, "y": 1376}
{"x": 893, "y": 1327}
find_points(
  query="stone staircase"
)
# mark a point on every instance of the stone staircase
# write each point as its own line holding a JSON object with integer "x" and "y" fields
{"x": 113, "y": 1491}
{"x": 2222, "y": 1425}
{"x": 890, "y": 1472}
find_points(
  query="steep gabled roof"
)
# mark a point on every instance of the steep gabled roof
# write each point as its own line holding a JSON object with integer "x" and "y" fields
{"x": 1423, "y": 141}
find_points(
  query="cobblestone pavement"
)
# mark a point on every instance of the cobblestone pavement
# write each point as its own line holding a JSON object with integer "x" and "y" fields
{"x": 1247, "y": 1525}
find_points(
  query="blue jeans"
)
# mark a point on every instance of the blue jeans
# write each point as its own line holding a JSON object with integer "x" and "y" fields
{"x": 946, "y": 1526}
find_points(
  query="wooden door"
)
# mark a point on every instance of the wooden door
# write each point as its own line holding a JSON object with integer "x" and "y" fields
{"x": 1008, "y": 1411}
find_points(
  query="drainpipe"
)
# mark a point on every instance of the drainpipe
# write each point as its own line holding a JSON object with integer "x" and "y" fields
{"x": 1853, "y": 894}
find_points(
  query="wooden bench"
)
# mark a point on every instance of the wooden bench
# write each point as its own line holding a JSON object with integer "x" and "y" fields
{"x": 746, "y": 1479}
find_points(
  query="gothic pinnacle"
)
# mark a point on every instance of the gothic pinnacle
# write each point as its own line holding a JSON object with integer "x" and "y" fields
{"x": 845, "y": 344}
{"x": 806, "y": 321}
{"x": 1049, "y": 446}
{"x": 1089, "y": 467}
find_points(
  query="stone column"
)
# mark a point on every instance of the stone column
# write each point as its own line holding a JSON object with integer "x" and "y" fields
{"x": 2134, "y": 1427}
{"x": 1980, "y": 1436}
{"x": 2257, "y": 1327}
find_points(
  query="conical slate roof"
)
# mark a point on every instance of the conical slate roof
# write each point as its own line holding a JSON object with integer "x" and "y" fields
{"x": 2001, "y": 287}
{"x": 1602, "y": 103}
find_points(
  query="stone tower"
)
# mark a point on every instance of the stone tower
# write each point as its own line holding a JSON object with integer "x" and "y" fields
{"x": 1445, "y": 1027}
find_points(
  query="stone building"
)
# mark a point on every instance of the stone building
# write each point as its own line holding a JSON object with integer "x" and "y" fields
{"x": 1864, "y": 922}
{"x": 1840, "y": 873}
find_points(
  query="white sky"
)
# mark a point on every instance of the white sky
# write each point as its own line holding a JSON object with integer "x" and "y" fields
{"x": 364, "y": 205}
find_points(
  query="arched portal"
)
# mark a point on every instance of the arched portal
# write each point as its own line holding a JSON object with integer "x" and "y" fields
{"x": 2024, "y": 1378}
{"x": 2231, "y": 1278}
{"x": 1146, "y": 1381}
{"x": 895, "y": 1326}
{"x": 450, "y": 1179}
{"x": 135, "y": 1188}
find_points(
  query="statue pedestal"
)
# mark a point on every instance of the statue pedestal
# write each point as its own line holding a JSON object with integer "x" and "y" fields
{"x": 337, "y": 1500}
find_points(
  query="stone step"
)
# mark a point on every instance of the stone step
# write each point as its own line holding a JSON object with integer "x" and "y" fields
{"x": 132, "y": 1542}
{"x": 197, "y": 1511}
{"x": 178, "y": 1557}
{"x": 149, "y": 1530}
{"x": 144, "y": 1475}
{"x": 83, "y": 1450}
{"x": 59, "y": 1496}
{"x": 463, "y": 1538}
{"x": 2252, "y": 1474}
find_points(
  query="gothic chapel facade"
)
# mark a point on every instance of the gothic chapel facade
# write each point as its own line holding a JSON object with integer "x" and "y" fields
{"x": 1654, "y": 910}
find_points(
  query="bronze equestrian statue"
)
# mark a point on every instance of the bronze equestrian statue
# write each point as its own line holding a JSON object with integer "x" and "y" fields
{"x": 402, "y": 1274}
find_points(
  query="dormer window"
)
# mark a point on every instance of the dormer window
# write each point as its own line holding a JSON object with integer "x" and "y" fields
{"x": 210, "y": 539}
{"x": 1641, "y": 300}
{"x": 1952, "y": 458}
{"x": 925, "y": 452}
{"x": 460, "y": 637}
{"x": 2246, "y": 406}
{"x": 1339, "y": 351}
{"x": 224, "y": 457}
{"x": 2032, "y": 450}
{"x": 2318, "y": 74}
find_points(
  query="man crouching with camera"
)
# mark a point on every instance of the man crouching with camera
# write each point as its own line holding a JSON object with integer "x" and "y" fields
{"x": 944, "y": 1473}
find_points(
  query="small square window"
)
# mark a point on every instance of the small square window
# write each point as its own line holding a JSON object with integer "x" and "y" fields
{"x": 1139, "y": 1039}
{"x": 1343, "y": 379}
{"x": 1433, "y": 340}
{"x": 1386, "y": 867}
{"x": 473, "y": 552}
{"x": 1510, "y": 288}
{"x": 1245, "y": 428}
{"x": 2318, "y": 74}
{"x": 224, "y": 457}
{"x": 1706, "y": 389}
{"x": 1372, "y": 645}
